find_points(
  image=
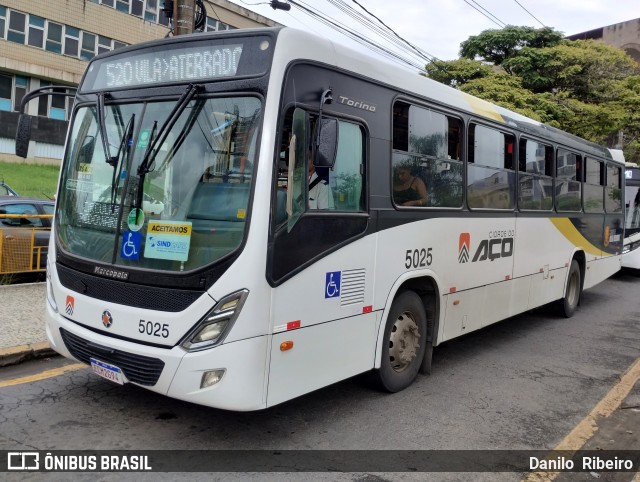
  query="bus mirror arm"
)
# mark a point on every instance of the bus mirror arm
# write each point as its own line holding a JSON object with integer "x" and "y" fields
{"x": 23, "y": 131}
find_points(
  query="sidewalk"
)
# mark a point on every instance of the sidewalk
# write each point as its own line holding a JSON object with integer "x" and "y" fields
{"x": 22, "y": 322}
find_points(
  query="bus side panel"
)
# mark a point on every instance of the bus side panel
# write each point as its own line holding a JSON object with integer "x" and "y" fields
{"x": 326, "y": 310}
{"x": 601, "y": 269}
{"x": 321, "y": 355}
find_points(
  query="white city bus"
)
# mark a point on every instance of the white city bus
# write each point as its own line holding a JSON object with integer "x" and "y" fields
{"x": 630, "y": 251}
{"x": 186, "y": 256}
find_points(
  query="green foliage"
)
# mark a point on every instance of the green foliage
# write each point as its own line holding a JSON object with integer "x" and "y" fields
{"x": 587, "y": 88}
{"x": 36, "y": 180}
{"x": 498, "y": 45}
{"x": 457, "y": 72}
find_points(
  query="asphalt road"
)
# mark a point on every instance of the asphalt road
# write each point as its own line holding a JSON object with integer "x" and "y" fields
{"x": 524, "y": 383}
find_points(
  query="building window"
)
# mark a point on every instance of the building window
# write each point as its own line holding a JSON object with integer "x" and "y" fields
{"x": 151, "y": 11}
{"x": 16, "y": 27}
{"x": 122, "y": 6}
{"x": 21, "y": 88}
{"x": 118, "y": 45}
{"x": 137, "y": 7}
{"x": 88, "y": 46}
{"x": 71, "y": 41}
{"x": 58, "y": 107}
{"x": 3, "y": 20}
{"x": 43, "y": 102}
{"x": 212, "y": 24}
{"x": 54, "y": 37}
{"x": 36, "y": 31}
{"x": 5, "y": 92}
{"x": 104, "y": 44}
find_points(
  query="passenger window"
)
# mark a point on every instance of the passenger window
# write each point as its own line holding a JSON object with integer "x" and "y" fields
{"x": 568, "y": 181}
{"x": 490, "y": 176}
{"x": 593, "y": 186}
{"x": 427, "y": 170}
{"x": 535, "y": 180}
{"x": 613, "y": 199}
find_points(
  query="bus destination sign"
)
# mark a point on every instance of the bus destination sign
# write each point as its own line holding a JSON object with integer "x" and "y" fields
{"x": 175, "y": 65}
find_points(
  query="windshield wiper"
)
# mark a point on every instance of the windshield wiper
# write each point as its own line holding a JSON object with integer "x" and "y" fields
{"x": 157, "y": 138}
{"x": 125, "y": 145}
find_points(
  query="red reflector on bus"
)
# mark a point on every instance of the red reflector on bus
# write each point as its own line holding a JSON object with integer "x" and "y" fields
{"x": 292, "y": 325}
{"x": 507, "y": 278}
{"x": 367, "y": 309}
{"x": 452, "y": 290}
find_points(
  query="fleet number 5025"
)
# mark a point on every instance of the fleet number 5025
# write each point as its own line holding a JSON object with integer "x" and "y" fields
{"x": 153, "y": 329}
{"x": 417, "y": 258}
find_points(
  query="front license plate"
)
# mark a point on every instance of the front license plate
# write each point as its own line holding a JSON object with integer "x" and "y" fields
{"x": 108, "y": 371}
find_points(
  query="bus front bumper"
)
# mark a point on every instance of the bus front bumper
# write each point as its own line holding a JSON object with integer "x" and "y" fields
{"x": 242, "y": 387}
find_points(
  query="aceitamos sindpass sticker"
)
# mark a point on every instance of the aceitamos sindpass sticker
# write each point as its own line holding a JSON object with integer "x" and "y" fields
{"x": 168, "y": 240}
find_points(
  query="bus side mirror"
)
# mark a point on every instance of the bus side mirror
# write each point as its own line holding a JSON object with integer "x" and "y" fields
{"x": 328, "y": 144}
{"x": 23, "y": 135}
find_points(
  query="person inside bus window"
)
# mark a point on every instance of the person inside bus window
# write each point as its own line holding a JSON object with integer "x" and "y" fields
{"x": 408, "y": 190}
{"x": 320, "y": 196}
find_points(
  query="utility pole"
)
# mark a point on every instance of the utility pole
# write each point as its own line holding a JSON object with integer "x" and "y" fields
{"x": 183, "y": 14}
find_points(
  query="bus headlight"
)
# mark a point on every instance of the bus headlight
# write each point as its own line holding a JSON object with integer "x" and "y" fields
{"x": 211, "y": 329}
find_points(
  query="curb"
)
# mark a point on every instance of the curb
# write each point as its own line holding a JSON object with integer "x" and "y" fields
{"x": 17, "y": 354}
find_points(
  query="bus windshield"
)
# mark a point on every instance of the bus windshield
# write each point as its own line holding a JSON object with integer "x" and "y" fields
{"x": 184, "y": 208}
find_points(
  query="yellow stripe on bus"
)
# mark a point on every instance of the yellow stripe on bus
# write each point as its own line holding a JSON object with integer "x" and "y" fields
{"x": 482, "y": 107}
{"x": 569, "y": 231}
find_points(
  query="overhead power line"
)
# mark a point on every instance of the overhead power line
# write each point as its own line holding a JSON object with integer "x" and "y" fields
{"x": 501, "y": 24}
{"x": 358, "y": 37}
{"x": 529, "y": 13}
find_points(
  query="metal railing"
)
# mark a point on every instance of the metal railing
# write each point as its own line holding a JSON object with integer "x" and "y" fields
{"x": 23, "y": 243}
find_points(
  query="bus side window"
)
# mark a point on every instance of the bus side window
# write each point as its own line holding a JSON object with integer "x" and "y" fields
{"x": 345, "y": 179}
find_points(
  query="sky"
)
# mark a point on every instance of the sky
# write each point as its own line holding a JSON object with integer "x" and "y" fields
{"x": 437, "y": 27}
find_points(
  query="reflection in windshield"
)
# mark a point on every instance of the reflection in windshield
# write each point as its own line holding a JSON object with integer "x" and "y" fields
{"x": 185, "y": 209}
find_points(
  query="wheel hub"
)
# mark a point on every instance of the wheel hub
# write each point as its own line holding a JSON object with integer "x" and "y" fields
{"x": 403, "y": 342}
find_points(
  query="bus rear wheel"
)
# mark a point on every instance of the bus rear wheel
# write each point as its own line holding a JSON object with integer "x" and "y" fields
{"x": 572, "y": 291}
{"x": 404, "y": 342}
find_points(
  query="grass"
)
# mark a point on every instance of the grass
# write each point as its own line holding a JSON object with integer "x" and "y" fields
{"x": 36, "y": 180}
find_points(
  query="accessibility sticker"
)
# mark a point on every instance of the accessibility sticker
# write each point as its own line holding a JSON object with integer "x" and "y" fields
{"x": 168, "y": 240}
{"x": 332, "y": 284}
{"x": 130, "y": 248}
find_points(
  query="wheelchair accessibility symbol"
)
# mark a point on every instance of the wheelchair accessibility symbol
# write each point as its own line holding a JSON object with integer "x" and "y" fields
{"x": 130, "y": 245}
{"x": 332, "y": 285}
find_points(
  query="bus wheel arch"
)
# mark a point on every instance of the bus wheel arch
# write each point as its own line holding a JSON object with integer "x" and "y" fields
{"x": 414, "y": 306}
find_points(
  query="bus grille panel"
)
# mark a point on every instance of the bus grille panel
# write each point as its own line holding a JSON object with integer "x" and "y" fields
{"x": 136, "y": 296}
{"x": 139, "y": 369}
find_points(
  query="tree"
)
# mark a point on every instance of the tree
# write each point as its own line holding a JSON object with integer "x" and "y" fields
{"x": 587, "y": 88}
{"x": 497, "y": 45}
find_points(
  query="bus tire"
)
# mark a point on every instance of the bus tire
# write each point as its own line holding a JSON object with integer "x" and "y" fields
{"x": 404, "y": 342}
{"x": 572, "y": 291}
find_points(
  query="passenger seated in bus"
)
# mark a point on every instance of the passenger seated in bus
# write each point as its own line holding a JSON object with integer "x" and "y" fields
{"x": 408, "y": 190}
{"x": 320, "y": 195}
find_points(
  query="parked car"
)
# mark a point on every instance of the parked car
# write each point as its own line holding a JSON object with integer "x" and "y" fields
{"x": 16, "y": 237}
{"x": 5, "y": 190}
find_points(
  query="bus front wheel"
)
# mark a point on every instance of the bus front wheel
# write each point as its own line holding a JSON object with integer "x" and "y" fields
{"x": 404, "y": 342}
{"x": 572, "y": 291}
